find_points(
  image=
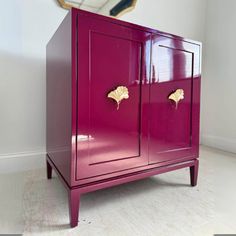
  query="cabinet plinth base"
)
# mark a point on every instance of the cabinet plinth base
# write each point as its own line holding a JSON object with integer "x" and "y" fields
{"x": 74, "y": 193}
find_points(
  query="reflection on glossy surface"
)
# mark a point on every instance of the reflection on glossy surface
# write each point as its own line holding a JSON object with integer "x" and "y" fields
{"x": 82, "y": 138}
{"x": 115, "y": 56}
{"x": 175, "y": 65}
{"x": 105, "y": 121}
{"x": 171, "y": 63}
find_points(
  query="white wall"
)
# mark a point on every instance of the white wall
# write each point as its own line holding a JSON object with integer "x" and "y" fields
{"x": 182, "y": 17}
{"x": 219, "y": 85}
{"x": 25, "y": 28}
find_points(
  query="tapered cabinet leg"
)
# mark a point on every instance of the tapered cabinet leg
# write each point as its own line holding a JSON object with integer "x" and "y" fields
{"x": 194, "y": 173}
{"x": 74, "y": 202}
{"x": 49, "y": 170}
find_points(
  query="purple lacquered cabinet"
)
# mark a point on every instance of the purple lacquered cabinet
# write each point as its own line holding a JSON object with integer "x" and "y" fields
{"x": 92, "y": 143}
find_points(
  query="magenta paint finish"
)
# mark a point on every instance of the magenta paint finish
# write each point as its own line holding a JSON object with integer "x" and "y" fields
{"x": 92, "y": 145}
{"x": 108, "y": 139}
{"x": 175, "y": 65}
{"x": 59, "y": 98}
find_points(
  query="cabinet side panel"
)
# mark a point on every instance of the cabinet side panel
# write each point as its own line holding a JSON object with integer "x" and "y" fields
{"x": 59, "y": 98}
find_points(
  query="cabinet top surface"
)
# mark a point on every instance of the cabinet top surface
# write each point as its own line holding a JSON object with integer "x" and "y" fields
{"x": 128, "y": 24}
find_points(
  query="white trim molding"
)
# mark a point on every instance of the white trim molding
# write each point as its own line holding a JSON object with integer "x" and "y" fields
{"x": 225, "y": 144}
{"x": 22, "y": 161}
{"x": 22, "y": 154}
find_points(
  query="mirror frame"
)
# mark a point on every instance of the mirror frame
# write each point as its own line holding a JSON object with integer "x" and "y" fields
{"x": 68, "y": 6}
{"x": 125, "y": 10}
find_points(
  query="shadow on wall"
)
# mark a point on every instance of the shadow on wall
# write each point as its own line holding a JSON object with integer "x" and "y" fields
{"x": 22, "y": 103}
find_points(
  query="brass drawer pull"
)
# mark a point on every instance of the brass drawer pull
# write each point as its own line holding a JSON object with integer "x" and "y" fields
{"x": 177, "y": 96}
{"x": 120, "y": 93}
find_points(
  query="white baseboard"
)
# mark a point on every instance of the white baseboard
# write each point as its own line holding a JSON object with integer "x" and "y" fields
{"x": 221, "y": 143}
{"x": 23, "y": 161}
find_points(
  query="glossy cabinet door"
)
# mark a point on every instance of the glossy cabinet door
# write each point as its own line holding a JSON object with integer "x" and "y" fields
{"x": 174, "y": 126}
{"x": 111, "y": 138}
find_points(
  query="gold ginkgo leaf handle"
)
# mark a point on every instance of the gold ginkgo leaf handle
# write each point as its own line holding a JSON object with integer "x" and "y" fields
{"x": 120, "y": 93}
{"x": 177, "y": 96}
